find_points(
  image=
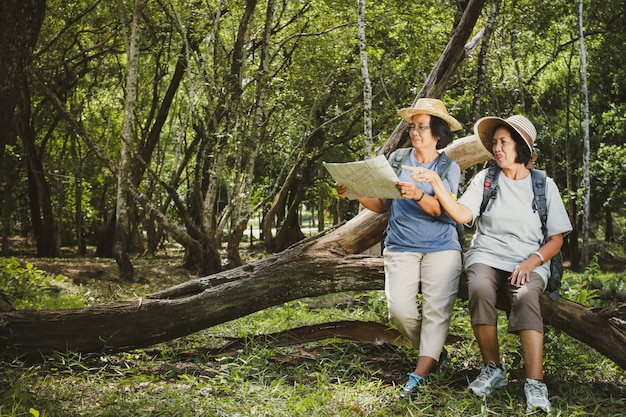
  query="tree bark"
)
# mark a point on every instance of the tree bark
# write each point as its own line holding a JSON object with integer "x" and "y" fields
{"x": 367, "y": 84}
{"x": 122, "y": 221}
{"x": 585, "y": 130}
{"x": 21, "y": 22}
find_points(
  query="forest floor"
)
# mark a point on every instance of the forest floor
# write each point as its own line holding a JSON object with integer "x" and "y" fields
{"x": 333, "y": 377}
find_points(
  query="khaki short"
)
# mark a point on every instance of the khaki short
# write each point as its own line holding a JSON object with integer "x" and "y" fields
{"x": 485, "y": 283}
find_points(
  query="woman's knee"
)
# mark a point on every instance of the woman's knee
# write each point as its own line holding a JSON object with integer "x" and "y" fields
{"x": 528, "y": 296}
{"x": 481, "y": 289}
{"x": 399, "y": 314}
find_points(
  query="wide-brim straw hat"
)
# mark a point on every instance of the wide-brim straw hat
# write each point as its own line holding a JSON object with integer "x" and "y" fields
{"x": 430, "y": 106}
{"x": 485, "y": 127}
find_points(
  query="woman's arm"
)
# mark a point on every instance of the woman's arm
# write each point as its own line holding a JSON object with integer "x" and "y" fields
{"x": 428, "y": 203}
{"x": 457, "y": 211}
{"x": 551, "y": 247}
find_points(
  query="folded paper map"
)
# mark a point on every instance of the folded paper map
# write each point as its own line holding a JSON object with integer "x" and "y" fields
{"x": 370, "y": 178}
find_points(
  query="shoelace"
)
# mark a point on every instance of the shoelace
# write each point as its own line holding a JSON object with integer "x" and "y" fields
{"x": 486, "y": 372}
{"x": 413, "y": 382}
{"x": 536, "y": 390}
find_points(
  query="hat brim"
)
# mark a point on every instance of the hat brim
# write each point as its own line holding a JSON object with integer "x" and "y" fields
{"x": 407, "y": 114}
{"x": 485, "y": 127}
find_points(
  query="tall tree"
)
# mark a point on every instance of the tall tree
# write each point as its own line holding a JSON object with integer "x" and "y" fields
{"x": 243, "y": 192}
{"x": 122, "y": 225}
{"x": 44, "y": 224}
{"x": 367, "y": 83}
{"x": 585, "y": 124}
{"x": 481, "y": 72}
{"x": 21, "y": 22}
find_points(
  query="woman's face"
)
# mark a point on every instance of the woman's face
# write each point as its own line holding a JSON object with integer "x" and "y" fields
{"x": 421, "y": 133}
{"x": 504, "y": 148}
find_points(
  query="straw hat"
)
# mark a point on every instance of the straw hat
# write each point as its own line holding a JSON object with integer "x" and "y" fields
{"x": 484, "y": 128}
{"x": 430, "y": 106}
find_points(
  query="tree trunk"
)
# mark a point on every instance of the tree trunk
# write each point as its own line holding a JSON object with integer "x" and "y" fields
{"x": 122, "y": 221}
{"x": 608, "y": 226}
{"x": 251, "y": 150}
{"x": 20, "y": 21}
{"x": 272, "y": 218}
{"x": 481, "y": 67}
{"x": 45, "y": 227}
{"x": 367, "y": 84}
{"x": 585, "y": 123}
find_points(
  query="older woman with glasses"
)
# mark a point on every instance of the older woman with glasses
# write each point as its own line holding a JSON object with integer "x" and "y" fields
{"x": 422, "y": 251}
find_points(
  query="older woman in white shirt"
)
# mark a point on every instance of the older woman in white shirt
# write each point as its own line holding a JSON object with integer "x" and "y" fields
{"x": 507, "y": 252}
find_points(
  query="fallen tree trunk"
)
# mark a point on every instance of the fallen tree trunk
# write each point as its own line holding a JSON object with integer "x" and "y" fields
{"x": 316, "y": 267}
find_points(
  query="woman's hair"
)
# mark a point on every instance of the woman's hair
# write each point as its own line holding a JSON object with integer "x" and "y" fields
{"x": 441, "y": 130}
{"x": 521, "y": 147}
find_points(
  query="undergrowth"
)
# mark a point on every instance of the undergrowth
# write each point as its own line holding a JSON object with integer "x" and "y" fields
{"x": 332, "y": 377}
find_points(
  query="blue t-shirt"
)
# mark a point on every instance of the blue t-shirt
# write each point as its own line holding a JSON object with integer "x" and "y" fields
{"x": 410, "y": 229}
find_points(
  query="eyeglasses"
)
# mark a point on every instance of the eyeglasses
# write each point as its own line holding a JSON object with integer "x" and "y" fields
{"x": 420, "y": 128}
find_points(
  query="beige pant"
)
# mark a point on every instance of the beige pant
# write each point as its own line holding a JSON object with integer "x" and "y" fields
{"x": 436, "y": 276}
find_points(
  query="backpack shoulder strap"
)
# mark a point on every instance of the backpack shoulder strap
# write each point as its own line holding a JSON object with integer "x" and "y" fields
{"x": 541, "y": 206}
{"x": 443, "y": 166}
{"x": 490, "y": 188}
{"x": 398, "y": 157}
{"x": 539, "y": 201}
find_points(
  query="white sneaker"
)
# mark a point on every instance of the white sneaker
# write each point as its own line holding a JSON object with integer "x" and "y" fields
{"x": 490, "y": 377}
{"x": 536, "y": 396}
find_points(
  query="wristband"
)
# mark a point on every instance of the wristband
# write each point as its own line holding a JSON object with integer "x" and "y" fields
{"x": 422, "y": 196}
{"x": 540, "y": 256}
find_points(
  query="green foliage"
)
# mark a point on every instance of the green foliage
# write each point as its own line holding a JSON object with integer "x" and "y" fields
{"x": 311, "y": 108}
{"x": 584, "y": 288}
{"x": 327, "y": 378}
{"x": 609, "y": 178}
{"x": 30, "y": 288}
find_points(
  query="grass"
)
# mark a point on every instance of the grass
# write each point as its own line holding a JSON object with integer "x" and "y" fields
{"x": 331, "y": 378}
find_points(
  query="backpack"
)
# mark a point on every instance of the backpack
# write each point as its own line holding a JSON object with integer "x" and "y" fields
{"x": 490, "y": 190}
{"x": 443, "y": 166}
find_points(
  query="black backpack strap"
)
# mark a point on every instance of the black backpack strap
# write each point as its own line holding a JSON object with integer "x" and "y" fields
{"x": 490, "y": 188}
{"x": 539, "y": 203}
{"x": 398, "y": 157}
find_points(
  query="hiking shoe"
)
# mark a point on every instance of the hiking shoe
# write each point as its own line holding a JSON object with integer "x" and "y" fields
{"x": 536, "y": 396}
{"x": 412, "y": 385}
{"x": 443, "y": 358}
{"x": 490, "y": 377}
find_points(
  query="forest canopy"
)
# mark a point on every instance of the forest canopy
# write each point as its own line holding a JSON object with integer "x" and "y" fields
{"x": 235, "y": 105}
